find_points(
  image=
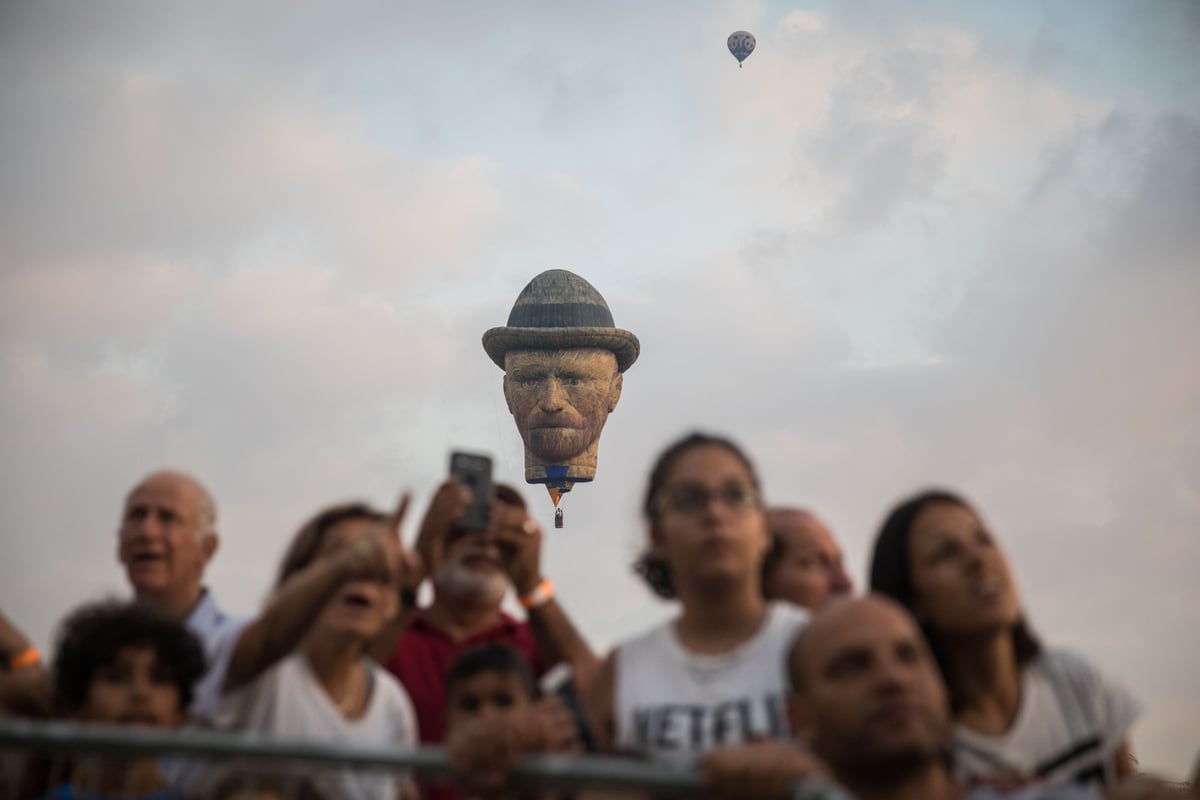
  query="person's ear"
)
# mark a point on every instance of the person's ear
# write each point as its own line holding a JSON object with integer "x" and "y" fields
{"x": 210, "y": 545}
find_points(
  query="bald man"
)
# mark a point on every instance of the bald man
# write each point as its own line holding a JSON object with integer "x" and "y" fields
{"x": 804, "y": 564}
{"x": 167, "y": 537}
{"x": 868, "y": 700}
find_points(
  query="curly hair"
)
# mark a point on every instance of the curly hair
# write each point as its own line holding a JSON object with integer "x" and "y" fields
{"x": 94, "y": 634}
{"x": 655, "y": 571}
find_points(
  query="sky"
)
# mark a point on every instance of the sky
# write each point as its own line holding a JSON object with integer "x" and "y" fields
{"x": 906, "y": 245}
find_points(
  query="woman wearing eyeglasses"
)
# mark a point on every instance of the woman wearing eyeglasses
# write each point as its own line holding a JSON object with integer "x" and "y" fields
{"x": 716, "y": 674}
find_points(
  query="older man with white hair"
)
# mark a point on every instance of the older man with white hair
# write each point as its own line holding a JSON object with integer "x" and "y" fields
{"x": 168, "y": 535}
{"x": 166, "y": 539}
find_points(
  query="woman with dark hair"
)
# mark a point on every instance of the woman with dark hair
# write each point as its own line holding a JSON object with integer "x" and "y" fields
{"x": 716, "y": 674}
{"x": 329, "y": 688}
{"x": 1022, "y": 711}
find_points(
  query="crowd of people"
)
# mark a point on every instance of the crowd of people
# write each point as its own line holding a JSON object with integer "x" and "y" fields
{"x": 774, "y": 677}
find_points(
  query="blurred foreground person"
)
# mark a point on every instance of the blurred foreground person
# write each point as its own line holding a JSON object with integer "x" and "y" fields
{"x": 804, "y": 564}
{"x": 716, "y": 673}
{"x": 1023, "y": 712}
{"x": 246, "y": 782}
{"x": 24, "y": 681}
{"x": 165, "y": 540}
{"x": 328, "y": 688}
{"x": 471, "y": 572}
{"x": 123, "y": 664}
{"x": 494, "y": 717}
{"x": 870, "y": 705}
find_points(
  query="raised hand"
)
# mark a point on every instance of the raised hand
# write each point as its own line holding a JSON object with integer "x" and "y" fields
{"x": 449, "y": 503}
{"x": 764, "y": 770}
{"x": 519, "y": 539}
{"x": 549, "y": 727}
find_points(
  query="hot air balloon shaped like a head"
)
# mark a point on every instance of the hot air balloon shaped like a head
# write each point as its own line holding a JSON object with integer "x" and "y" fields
{"x": 563, "y": 361}
{"x": 741, "y": 44}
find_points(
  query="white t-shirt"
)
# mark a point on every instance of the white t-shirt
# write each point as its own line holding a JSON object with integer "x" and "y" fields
{"x": 674, "y": 705}
{"x": 287, "y": 701}
{"x": 1069, "y": 725}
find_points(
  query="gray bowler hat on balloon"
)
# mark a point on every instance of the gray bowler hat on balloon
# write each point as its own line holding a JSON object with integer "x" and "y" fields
{"x": 563, "y": 360}
{"x": 559, "y": 309}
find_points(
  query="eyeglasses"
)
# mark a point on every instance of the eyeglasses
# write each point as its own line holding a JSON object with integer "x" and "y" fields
{"x": 693, "y": 498}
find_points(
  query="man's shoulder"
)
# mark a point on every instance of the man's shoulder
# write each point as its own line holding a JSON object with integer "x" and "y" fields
{"x": 210, "y": 623}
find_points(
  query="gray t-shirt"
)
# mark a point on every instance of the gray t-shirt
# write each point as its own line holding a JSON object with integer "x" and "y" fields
{"x": 1070, "y": 723}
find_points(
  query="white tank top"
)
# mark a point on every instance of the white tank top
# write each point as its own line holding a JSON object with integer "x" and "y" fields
{"x": 674, "y": 705}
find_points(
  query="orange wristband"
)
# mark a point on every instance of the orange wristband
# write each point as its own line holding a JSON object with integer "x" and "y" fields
{"x": 540, "y": 595}
{"x": 26, "y": 658}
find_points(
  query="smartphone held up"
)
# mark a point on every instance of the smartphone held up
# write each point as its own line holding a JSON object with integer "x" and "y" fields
{"x": 474, "y": 471}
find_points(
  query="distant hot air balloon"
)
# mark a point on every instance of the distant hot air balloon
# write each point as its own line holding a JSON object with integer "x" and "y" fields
{"x": 741, "y": 44}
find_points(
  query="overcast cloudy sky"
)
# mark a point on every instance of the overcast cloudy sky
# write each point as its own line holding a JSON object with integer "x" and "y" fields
{"x": 907, "y": 244}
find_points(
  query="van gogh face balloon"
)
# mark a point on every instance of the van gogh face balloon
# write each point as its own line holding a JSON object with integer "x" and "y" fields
{"x": 564, "y": 362}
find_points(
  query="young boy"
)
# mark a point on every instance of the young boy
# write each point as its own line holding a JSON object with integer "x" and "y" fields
{"x": 123, "y": 664}
{"x": 494, "y": 716}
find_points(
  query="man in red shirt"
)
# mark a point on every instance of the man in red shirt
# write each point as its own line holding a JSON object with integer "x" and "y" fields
{"x": 470, "y": 574}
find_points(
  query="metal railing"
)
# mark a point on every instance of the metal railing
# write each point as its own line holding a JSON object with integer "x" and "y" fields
{"x": 557, "y": 772}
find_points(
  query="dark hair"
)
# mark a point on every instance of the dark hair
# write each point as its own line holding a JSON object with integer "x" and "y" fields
{"x": 499, "y": 658}
{"x": 94, "y": 634}
{"x": 653, "y": 570}
{"x": 308, "y": 540}
{"x": 891, "y": 575}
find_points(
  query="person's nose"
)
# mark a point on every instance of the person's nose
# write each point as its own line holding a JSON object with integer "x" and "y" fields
{"x": 139, "y": 689}
{"x": 975, "y": 557}
{"x": 148, "y": 526}
{"x": 553, "y": 397}
{"x": 718, "y": 505}
{"x": 893, "y": 676}
{"x": 488, "y": 711}
{"x": 839, "y": 581}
